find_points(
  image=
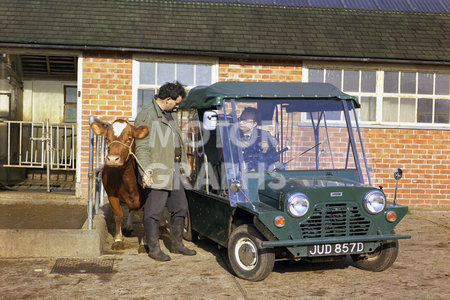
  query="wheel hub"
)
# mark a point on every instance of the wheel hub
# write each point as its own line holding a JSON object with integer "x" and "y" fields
{"x": 247, "y": 254}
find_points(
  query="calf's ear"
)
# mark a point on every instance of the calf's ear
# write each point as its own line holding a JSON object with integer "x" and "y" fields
{"x": 98, "y": 128}
{"x": 141, "y": 132}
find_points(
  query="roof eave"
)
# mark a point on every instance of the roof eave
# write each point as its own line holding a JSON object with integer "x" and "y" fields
{"x": 221, "y": 53}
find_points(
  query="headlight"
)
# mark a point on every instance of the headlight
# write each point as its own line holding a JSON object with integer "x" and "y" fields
{"x": 297, "y": 204}
{"x": 374, "y": 201}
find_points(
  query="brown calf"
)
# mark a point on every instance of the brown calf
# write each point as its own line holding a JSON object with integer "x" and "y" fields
{"x": 119, "y": 171}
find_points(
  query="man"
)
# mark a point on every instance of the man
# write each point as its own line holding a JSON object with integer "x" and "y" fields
{"x": 162, "y": 155}
{"x": 258, "y": 146}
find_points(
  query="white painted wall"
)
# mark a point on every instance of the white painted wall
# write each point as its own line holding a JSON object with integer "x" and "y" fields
{"x": 44, "y": 99}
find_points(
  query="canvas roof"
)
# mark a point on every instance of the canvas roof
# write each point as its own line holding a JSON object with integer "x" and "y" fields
{"x": 204, "y": 97}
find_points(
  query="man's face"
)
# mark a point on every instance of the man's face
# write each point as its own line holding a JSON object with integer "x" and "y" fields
{"x": 169, "y": 104}
{"x": 246, "y": 125}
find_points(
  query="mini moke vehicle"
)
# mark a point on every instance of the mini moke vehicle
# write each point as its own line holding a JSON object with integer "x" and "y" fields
{"x": 297, "y": 187}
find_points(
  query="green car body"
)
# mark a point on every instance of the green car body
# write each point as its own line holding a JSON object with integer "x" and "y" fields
{"x": 243, "y": 209}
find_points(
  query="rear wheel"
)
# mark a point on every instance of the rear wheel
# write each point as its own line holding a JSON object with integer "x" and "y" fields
{"x": 247, "y": 257}
{"x": 382, "y": 258}
{"x": 189, "y": 234}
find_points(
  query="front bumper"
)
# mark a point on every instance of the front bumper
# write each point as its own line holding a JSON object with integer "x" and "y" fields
{"x": 333, "y": 240}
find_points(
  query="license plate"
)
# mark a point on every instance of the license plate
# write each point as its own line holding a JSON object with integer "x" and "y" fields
{"x": 335, "y": 249}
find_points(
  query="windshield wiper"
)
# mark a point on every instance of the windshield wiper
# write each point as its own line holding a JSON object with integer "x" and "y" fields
{"x": 282, "y": 165}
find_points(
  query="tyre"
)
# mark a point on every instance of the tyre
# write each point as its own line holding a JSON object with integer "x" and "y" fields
{"x": 247, "y": 257}
{"x": 382, "y": 258}
{"x": 189, "y": 234}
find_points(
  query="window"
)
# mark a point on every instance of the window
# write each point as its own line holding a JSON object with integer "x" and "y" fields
{"x": 392, "y": 97}
{"x": 5, "y": 105}
{"x": 415, "y": 97}
{"x": 150, "y": 75}
{"x": 360, "y": 83}
{"x": 70, "y": 104}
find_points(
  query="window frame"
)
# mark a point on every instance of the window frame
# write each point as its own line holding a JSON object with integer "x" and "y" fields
{"x": 175, "y": 59}
{"x": 380, "y": 70}
{"x": 75, "y": 104}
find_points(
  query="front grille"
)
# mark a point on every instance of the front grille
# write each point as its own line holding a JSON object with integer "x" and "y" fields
{"x": 334, "y": 220}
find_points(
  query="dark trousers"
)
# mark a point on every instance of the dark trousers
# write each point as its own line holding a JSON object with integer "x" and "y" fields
{"x": 157, "y": 199}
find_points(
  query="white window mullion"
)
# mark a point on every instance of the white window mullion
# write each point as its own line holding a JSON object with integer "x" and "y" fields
{"x": 434, "y": 96}
{"x": 175, "y": 73}
{"x": 195, "y": 74}
{"x": 434, "y": 85}
{"x": 432, "y": 110}
{"x": 379, "y": 94}
{"x": 360, "y": 81}
{"x": 415, "y": 110}
{"x": 305, "y": 74}
{"x": 359, "y": 91}
{"x": 156, "y": 73}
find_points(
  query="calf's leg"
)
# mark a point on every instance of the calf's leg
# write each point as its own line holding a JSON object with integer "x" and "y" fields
{"x": 118, "y": 218}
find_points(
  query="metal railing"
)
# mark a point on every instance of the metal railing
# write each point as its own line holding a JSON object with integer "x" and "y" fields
{"x": 26, "y": 144}
{"x": 62, "y": 140}
{"x": 97, "y": 151}
{"x": 41, "y": 144}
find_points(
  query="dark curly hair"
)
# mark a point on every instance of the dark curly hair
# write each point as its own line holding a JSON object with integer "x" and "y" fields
{"x": 250, "y": 113}
{"x": 172, "y": 90}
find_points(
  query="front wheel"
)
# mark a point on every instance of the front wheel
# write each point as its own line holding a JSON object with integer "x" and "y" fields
{"x": 382, "y": 258}
{"x": 247, "y": 257}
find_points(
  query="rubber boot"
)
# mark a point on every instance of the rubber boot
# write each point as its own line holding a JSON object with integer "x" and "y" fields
{"x": 176, "y": 236}
{"x": 152, "y": 233}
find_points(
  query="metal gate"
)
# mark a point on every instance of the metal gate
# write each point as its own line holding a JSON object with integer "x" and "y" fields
{"x": 97, "y": 153}
{"x": 41, "y": 145}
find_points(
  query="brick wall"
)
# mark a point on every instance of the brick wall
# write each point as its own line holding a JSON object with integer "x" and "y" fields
{"x": 259, "y": 70}
{"x": 107, "y": 88}
{"x": 424, "y": 156}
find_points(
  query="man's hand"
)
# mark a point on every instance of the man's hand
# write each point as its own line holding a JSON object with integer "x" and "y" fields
{"x": 147, "y": 180}
{"x": 264, "y": 147}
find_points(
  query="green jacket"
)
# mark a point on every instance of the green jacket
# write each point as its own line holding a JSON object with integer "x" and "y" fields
{"x": 156, "y": 152}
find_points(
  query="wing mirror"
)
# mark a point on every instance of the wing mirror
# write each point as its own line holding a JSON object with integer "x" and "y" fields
{"x": 209, "y": 120}
{"x": 398, "y": 174}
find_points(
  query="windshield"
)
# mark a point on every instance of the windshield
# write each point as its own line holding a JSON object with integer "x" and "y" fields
{"x": 281, "y": 135}
{"x": 286, "y": 135}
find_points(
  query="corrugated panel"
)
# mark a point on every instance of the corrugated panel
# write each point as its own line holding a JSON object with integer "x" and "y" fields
{"x": 445, "y": 4}
{"x": 298, "y": 3}
{"x": 359, "y": 4}
{"x": 326, "y": 3}
{"x": 425, "y": 6}
{"x": 393, "y": 5}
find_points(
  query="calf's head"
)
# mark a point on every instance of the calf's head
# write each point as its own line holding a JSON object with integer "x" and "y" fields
{"x": 119, "y": 138}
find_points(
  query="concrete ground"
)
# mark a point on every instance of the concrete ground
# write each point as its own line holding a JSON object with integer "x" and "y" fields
{"x": 422, "y": 271}
{"x": 40, "y": 224}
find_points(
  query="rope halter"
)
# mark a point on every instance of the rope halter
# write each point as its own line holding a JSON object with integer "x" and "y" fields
{"x": 125, "y": 145}
{"x": 130, "y": 152}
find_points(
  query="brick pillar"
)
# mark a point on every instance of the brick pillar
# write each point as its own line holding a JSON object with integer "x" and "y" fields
{"x": 106, "y": 94}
